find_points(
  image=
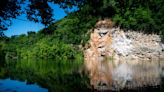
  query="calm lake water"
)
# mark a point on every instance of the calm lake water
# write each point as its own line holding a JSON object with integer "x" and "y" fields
{"x": 42, "y": 76}
{"x": 8, "y": 85}
{"x": 48, "y": 76}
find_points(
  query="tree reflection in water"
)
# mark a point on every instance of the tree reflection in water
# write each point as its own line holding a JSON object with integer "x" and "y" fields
{"x": 53, "y": 75}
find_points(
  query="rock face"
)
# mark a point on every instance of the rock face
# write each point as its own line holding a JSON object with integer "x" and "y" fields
{"x": 117, "y": 59}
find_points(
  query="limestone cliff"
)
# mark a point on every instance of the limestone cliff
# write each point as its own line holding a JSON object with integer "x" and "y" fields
{"x": 117, "y": 59}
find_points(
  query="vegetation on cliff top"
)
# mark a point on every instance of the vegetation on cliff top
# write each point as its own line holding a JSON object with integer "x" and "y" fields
{"x": 59, "y": 41}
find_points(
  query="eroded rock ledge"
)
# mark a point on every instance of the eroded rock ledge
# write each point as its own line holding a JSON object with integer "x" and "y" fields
{"x": 117, "y": 59}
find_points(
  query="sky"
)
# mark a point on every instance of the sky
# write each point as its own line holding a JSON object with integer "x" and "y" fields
{"x": 21, "y": 25}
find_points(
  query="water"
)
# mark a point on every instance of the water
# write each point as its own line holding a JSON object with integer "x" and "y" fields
{"x": 8, "y": 85}
{"x": 53, "y": 76}
{"x": 42, "y": 76}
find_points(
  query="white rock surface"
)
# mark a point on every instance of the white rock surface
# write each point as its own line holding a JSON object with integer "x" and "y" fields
{"x": 121, "y": 44}
{"x": 117, "y": 58}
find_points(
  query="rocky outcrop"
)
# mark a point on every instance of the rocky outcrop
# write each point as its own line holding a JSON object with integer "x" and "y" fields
{"x": 117, "y": 59}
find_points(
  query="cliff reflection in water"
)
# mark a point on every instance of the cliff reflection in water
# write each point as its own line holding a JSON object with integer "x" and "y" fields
{"x": 144, "y": 75}
{"x": 65, "y": 77}
{"x": 53, "y": 75}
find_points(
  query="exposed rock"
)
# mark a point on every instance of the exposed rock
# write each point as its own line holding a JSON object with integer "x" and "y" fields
{"x": 123, "y": 59}
{"x": 107, "y": 23}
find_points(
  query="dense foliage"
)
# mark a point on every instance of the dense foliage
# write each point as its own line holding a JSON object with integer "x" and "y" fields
{"x": 145, "y": 15}
{"x": 2, "y": 46}
{"x": 61, "y": 39}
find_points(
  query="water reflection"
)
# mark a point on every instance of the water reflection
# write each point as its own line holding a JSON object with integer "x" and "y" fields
{"x": 7, "y": 85}
{"x": 53, "y": 75}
